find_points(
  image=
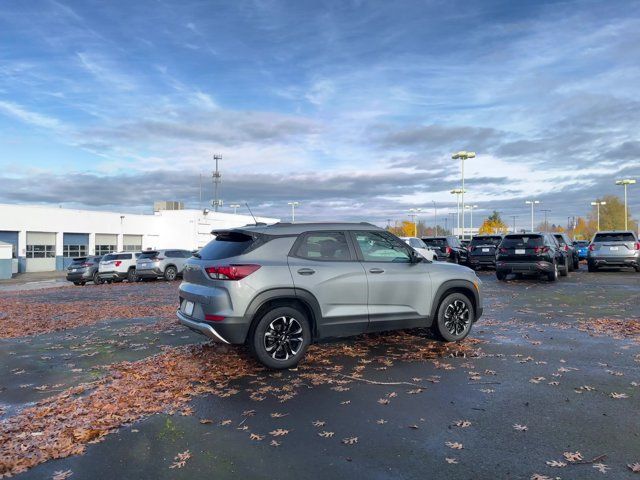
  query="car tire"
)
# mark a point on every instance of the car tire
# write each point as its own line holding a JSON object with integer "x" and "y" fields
{"x": 553, "y": 276}
{"x": 131, "y": 275}
{"x": 501, "y": 276}
{"x": 280, "y": 332}
{"x": 591, "y": 267}
{"x": 637, "y": 269}
{"x": 79, "y": 284}
{"x": 170, "y": 273}
{"x": 565, "y": 271}
{"x": 576, "y": 264}
{"x": 96, "y": 279}
{"x": 454, "y": 318}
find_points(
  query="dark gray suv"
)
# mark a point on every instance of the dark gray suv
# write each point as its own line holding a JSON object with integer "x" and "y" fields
{"x": 278, "y": 288}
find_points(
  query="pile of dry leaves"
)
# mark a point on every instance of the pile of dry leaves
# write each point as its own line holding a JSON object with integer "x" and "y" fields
{"x": 62, "y": 425}
{"x": 615, "y": 328}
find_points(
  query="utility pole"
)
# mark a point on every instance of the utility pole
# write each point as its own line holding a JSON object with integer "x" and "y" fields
{"x": 446, "y": 224}
{"x": 514, "y": 222}
{"x": 625, "y": 182}
{"x": 216, "y": 183}
{"x": 435, "y": 217}
{"x": 546, "y": 223}
{"x": 532, "y": 203}
{"x": 293, "y": 210}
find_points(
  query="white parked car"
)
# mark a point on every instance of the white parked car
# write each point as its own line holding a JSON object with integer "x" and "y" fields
{"x": 420, "y": 247}
{"x": 118, "y": 266}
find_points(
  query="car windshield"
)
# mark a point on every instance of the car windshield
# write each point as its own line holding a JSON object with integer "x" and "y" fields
{"x": 614, "y": 237}
{"x": 522, "y": 241}
{"x": 495, "y": 241}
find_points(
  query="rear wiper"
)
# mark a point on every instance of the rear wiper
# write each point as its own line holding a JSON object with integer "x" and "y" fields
{"x": 197, "y": 254}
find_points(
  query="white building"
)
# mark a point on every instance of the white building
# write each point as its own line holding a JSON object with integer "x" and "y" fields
{"x": 46, "y": 238}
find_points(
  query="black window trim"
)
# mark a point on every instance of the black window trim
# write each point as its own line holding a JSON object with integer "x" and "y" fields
{"x": 301, "y": 238}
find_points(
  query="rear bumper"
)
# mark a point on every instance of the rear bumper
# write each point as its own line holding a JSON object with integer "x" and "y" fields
{"x": 112, "y": 275}
{"x": 201, "y": 327}
{"x": 482, "y": 260}
{"x": 524, "y": 267}
{"x": 628, "y": 261}
{"x": 84, "y": 276}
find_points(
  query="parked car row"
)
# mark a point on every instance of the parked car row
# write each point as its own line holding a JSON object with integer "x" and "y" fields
{"x": 130, "y": 266}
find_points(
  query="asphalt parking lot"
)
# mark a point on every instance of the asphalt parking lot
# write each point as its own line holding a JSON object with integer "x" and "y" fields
{"x": 547, "y": 386}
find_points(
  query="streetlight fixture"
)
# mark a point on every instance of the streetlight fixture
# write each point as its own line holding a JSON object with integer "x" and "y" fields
{"x": 597, "y": 204}
{"x": 235, "y": 207}
{"x": 435, "y": 216}
{"x": 293, "y": 210}
{"x": 625, "y": 182}
{"x": 457, "y": 192}
{"x": 413, "y": 213}
{"x": 462, "y": 156}
{"x": 532, "y": 203}
{"x": 470, "y": 208}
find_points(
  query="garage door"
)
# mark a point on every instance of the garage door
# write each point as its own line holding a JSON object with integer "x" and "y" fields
{"x": 41, "y": 252}
{"x": 74, "y": 245}
{"x": 106, "y": 243}
{"x": 132, "y": 243}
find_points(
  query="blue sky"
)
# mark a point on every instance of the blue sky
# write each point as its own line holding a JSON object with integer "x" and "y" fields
{"x": 352, "y": 108}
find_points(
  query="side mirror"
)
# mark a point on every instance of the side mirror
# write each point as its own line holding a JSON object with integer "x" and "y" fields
{"x": 415, "y": 257}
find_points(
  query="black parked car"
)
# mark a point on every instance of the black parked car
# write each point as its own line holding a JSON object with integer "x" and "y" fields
{"x": 83, "y": 270}
{"x": 537, "y": 253}
{"x": 482, "y": 251}
{"x": 572, "y": 252}
{"x": 447, "y": 248}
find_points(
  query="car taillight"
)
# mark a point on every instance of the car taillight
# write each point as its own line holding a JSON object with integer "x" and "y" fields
{"x": 566, "y": 248}
{"x": 448, "y": 250}
{"x": 118, "y": 263}
{"x": 539, "y": 250}
{"x": 592, "y": 247}
{"x": 502, "y": 250}
{"x": 231, "y": 272}
{"x": 636, "y": 246}
{"x": 157, "y": 259}
{"x": 86, "y": 264}
{"x": 470, "y": 248}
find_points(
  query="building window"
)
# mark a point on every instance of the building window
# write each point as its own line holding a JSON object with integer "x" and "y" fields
{"x": 131, "y": 248}
{"x": 41, "y": 251}
{"x": 74, "y": 251}
{"x": 105, "y": 249}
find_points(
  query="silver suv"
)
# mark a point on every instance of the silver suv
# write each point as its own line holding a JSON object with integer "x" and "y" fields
{"x": 167, "y": 263}
{"x": 278, "y": 288}
{"x": 614, "y": 249}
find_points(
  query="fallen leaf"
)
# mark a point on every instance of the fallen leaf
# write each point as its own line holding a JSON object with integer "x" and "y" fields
{"x": 318, "y": 423}
{"x": 451, "y": 460}
{"x": 520, "y": 428}
{"x": 350, "y": 440}
{"x": 556, "y": 464}
{"x": 601, "y": 467}
{"x": 279, "y": 432}
{"x": 61, "y": 474}
{"x": 572, "y": 456}
{"x": 326, "y": 434}
{"x": 454, "y": 445}
{"x": 256, "y": 437}
{"x": 205, "y": 421}
{"x": 181, "y": 459}
{"x": 634, "y": 467}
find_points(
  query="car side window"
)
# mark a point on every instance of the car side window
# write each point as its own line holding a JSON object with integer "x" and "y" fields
{"x": 171, "y": 254}
{"x": 324, "y": 246}
{"x": 380, "y": 247}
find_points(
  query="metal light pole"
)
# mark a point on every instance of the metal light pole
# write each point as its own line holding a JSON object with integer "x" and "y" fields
{"x": 235, "y": 207}
{"x": 597, "y": 204}
{"x": 446, "y": 224}
{"x": 457, "y": 192}
{"x": 435, "y": 216}
{"x": 532, "y": 203}
{"x": 470, "y": 208}
{"x": 514, "y": 222}
{"x": 462, "y": 156}
{"x": 293, "y": 210}
{"x": 216, "y": 183}
{"x": 413, "y": 213}
{"x": 625, "y": 182}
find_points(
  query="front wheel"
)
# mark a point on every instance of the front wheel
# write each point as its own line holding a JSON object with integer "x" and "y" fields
{"x": 280, "y": 338}
{"x": 96, "y": 279}
{"x": 131, "y": 275}
{"x": 553, "y": 275}
{"x": 565, "y": 271}
{"x": 454, "y": 319}
{"x": 170, "y": 274}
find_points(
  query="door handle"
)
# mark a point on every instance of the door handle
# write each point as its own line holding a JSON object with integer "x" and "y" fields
{"x": 376, "y": 270}
{"x": 306, "y": 271}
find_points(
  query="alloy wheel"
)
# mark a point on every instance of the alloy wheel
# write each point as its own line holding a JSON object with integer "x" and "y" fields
{"x": 457, "y": 317}
{"x": 283, "y": 338}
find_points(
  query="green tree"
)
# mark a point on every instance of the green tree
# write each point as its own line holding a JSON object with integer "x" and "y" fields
{"x": 611, "y": 214}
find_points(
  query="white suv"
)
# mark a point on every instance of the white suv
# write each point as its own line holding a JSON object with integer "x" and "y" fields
{"x": 116, "y": 267}
{"x": 420, "y": 247}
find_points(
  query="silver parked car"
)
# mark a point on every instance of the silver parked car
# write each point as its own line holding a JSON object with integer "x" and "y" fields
{"x": 614, "y": 249}
{"x": 280, "y": 287}
{"x": 166, "y": 263}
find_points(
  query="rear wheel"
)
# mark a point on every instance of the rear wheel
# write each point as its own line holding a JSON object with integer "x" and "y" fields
{"x": 79, "y": 284}
{"x": 280, "y": 338}
{"x": 96, "y": 279}
{"x": 565, "y": 271}
{"x": 170, "y": 273}
{"x": 576, "y": 264}
{"x": 553, "y": 275}
{"x": 591, "y": 267}
{"x": 637, "y": 269}
{"x": 131, "y": 275}
{"x": 501, "y": 276}
{"x": 454, "y": 319}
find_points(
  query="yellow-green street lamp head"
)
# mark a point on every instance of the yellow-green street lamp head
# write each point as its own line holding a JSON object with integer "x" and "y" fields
{"x": 457, "y": 191}
{"x": 463, "y": 155}
{"x": 625, "y": 181}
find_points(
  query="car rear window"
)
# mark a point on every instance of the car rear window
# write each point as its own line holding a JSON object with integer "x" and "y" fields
{"x": 486, "y": 241}
{"x": 435, "y": 242}
{"x": 79, "y": 259}
{"x": 227, "y": 244}
{"x": 560, "y": 239}
{"x": 522, "y": 241}
{"x": 614, "y": 237}
{"x": 148, "y": 254}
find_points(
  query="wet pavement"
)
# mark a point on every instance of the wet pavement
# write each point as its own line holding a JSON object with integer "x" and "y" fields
{"x": 543, "y": 384}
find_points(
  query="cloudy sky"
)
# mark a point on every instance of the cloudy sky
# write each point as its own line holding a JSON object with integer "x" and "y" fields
{"x": 352, "y": 108}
